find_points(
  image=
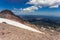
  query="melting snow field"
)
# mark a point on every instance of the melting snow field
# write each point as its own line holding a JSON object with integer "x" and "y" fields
{"x": 20, "y": 25}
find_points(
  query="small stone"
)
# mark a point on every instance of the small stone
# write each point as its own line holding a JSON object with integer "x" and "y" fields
{"x": 8, "y": 32}
{"x": 52, "y": 30}
{"x": 3, "y": 33}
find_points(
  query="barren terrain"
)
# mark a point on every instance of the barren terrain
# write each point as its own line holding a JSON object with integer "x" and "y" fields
{"x": 9, "y": 32}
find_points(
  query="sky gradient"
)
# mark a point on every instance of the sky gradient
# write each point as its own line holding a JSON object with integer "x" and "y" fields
{"x": 32, "y": 7}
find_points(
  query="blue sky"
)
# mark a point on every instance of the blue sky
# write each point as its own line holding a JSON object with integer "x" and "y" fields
{"x": 10, "y": 4}
{"x": 33, "y": 7}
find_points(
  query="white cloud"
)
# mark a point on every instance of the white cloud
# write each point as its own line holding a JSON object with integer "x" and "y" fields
{"x": 55, "y": 6}
{"x": 25, "y": 10}
{"x": 36, "y": 5}
{"x": 44, "y": 2}
{"x": 30, "y": 8}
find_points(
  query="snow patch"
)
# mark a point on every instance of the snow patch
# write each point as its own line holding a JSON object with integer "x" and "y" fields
{"x": 20, "y": 25}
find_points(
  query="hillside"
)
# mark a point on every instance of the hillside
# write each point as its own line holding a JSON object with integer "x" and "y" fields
{"x": 10, "y": 15}
{"x": 10, "y": 32}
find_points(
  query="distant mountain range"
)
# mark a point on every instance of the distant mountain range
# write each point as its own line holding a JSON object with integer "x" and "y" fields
{"x": 43, "y": 21}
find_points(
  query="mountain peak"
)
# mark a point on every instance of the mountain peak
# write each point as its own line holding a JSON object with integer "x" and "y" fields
{"x": 7, "y": 12}
{"x": 10, "y": 15}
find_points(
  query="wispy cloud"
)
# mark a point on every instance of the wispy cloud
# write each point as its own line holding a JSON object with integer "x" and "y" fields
{"x": 42, "y": 3}
{"x": 32, "y": 8}
{"x": 25, "y": 10}
{"x": 38, "y": 4}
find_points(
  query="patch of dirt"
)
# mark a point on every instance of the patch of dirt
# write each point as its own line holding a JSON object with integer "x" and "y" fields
{"x": 9, "y": 32}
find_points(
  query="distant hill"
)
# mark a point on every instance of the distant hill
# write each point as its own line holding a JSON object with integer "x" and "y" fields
{"x": 43, "y": 21}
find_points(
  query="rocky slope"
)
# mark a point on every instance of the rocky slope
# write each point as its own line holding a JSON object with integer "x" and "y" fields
{"x": 9, "y": 32}
{"x": 10, "y": 15}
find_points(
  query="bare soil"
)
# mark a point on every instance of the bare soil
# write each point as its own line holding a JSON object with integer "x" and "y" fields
{"x": 9, "y": 32}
